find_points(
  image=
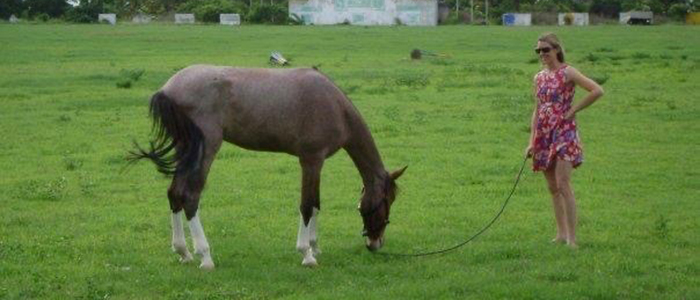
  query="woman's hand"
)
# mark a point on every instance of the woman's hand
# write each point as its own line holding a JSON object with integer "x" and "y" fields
{"x": 570, "y": 115}
{"x": 528, "y": 150}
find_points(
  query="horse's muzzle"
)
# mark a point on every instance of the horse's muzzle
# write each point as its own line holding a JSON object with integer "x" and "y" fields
{"x": 374, "y": 245}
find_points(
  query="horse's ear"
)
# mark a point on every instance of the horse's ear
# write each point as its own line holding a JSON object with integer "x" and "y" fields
{"x": 396, "y": 174}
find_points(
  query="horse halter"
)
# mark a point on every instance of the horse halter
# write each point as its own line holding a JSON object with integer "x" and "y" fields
{"x": 374, "y": 210}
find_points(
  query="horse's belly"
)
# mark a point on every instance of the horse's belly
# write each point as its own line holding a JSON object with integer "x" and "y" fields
{"x": 259, "y": 141}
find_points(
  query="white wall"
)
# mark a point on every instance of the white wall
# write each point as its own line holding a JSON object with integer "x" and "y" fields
{"x": 366, "y": 12}
{"x": 578, "y": 19}
{"x": 514, "y": 19}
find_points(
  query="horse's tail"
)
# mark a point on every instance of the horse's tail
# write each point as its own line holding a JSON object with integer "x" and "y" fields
{"x": 172, "y": 129}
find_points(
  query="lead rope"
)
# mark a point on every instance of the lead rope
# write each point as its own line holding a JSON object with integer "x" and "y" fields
{"x": 517, "y": 180}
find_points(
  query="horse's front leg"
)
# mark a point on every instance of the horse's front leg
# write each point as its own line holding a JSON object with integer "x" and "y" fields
{"x": 307, "y": 238}
{"x": 307, "y": 242}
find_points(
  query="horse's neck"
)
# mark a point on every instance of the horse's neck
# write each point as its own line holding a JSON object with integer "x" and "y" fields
{"x": 365, "y": 155}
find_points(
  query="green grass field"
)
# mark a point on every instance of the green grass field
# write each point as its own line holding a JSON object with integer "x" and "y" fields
{"x": 73, "y": 225}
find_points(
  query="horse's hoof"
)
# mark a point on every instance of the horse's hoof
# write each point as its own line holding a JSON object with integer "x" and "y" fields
{"x": 309, "y": 261}
{"x": 207, "y": 266}
{"x": 186, "y": 259}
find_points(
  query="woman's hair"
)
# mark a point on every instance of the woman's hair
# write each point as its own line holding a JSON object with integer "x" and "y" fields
{"x": 551, "y": 38}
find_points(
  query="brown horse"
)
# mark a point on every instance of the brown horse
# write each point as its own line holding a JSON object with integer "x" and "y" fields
{"x": 296, "y": 111}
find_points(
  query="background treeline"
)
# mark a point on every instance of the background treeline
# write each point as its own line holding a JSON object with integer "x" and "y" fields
{"x": 86, "y": 11}
{"x": 671, "y": 9}
{"x": 276, "y": 11}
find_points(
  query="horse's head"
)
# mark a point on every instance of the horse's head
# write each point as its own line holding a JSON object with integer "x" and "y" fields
{"x": 375, "y": 207}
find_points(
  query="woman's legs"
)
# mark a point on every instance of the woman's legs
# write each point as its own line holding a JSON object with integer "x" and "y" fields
{"x": 559, "y": 183}
{"x": 562, "y": 172}
{"x": 558, "y": 204}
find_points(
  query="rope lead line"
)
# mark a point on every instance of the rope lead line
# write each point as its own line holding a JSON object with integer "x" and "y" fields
{"x": 515, "y": 185}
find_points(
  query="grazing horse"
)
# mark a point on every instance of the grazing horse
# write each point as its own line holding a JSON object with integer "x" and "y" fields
{"x": 295, "y": 111}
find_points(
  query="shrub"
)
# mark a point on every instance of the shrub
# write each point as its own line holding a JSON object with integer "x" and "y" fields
{"x": 678, "y": 11}
{"x": 86, "y": 12}
{"x": 268, "y": 14}
{"x": 209, "y": 10}
{"x": 42, "y": 17}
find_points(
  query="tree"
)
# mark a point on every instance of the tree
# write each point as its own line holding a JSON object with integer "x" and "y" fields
{"x": 52, "y": 8}
{"x": 11, "y": 7}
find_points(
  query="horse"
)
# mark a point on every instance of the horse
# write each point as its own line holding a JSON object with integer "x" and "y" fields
{"x": 300, "y": 112}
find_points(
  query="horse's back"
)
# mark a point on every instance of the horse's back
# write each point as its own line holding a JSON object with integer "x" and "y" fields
{"x": 286, "y": 110}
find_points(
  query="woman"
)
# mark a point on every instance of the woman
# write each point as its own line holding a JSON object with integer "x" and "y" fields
{"x": 554, "y": 141}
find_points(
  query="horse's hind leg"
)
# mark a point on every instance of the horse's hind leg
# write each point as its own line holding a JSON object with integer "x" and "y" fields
{"x": 307, "y": 240}
{"x": 184, "y": 194}
{"x": 179, "y": 244}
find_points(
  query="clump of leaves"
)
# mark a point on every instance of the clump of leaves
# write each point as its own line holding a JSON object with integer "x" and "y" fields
{"x": 661, "y": 227}
{"x": 605, "y": 49}
{"x": 128, "y": 76}
{"x": 71, "y": 163}
{"x": 640, "y": 55}
{"x": 133, "y": 74}
{"x": 124, "y": 83}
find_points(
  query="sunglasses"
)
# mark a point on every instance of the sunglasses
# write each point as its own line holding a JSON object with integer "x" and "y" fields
{"x": 543, "y": 50}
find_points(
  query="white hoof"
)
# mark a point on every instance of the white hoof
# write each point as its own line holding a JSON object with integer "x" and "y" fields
{"x": 186, "y": 258}
{"x": 309, "y": 261}
{"x": 207, "y": 265}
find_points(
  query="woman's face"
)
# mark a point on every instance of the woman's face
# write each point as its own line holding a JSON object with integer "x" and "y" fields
{"x": 546, "y": 52}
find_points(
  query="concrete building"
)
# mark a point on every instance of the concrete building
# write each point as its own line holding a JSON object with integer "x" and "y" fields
{"x": 366, "y": 12}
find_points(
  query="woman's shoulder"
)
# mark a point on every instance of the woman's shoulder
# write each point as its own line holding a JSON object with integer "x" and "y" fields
{"x": 570, "y": 73}
{"x": 540, "y": 73}
{"x": 569, "y": 70}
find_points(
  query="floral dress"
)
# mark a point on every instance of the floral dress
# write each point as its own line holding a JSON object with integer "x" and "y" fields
{"x": 555, "y": 137}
